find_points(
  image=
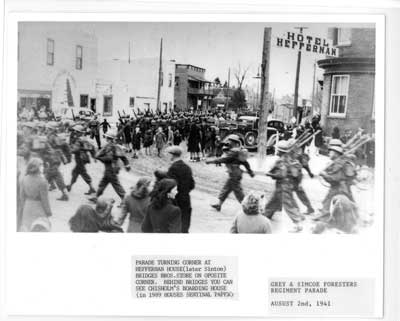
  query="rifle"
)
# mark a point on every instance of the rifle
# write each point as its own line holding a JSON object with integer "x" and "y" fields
{"x": 120, "y": 118}
{"x": 73, "y": 115}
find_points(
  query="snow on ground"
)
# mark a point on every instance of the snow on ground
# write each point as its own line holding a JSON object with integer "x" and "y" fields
{"x": 209, "y": 181}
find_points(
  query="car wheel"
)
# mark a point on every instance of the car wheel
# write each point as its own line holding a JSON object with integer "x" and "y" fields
{"x": 250, "y": 140}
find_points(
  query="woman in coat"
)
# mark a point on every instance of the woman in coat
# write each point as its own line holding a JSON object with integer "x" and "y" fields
{"x": 194, "y": 143}
{"x": 34, "y": 195}
{"x": 135, "y": 204}
{"x": 148, "y": 141}
{"x": 136, "y": 141}
{"x": 160, "y": 140}
{"x": 250, "y": 220}
{"x": 162, "y": 216}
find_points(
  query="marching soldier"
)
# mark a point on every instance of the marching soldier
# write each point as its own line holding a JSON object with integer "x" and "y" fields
{"x": 94, "y": 126}
{"x": 52, "y": 159}
{"x": 109, "y": 155}
{"x": 297, "y": 156}
{"x": 340, "y": 174}
{"x": 286, "y": 173}
{"x": 235, "y": 156}
{"x": 80, "y": 149}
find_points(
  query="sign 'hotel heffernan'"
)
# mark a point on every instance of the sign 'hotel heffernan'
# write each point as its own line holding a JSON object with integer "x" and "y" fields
{"x": 307, "y": 43}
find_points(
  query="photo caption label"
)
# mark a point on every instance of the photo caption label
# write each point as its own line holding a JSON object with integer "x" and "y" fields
{"x": 306, "y": 296}
{"x": 184, "y": 277}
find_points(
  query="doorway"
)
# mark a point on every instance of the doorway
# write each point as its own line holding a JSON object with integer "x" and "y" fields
{"x": 93, "y": 104}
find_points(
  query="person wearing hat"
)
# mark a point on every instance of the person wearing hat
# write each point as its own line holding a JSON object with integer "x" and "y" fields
{"x": 284, "y": 172}
{"x": 182, "y": 174}
{"x": 109, "y": 156}
{"x": 234, "y": 157}
{"x": 135, "y": 204}
{"x": 33, "y": 195}
{"x": 94, "y": 126}
{"x": 339, "y": 174}
{"x": 162, "y": 216}
{"x": 296, "y": 156}
{"x": 250, "y": 220}
{"x": 80, "y": 150}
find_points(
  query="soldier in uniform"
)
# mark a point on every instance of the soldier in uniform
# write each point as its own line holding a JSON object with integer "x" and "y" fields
{"x": 94, "y": 126}
{"x": 340, "y": 174}
{"x": 286, "y": 173}
{"x": 109, "y": 155}
{"x": 235, "y": 156}
{"x": 297, "y": 155}
{"x": 80, "y": 149}
{"x": 52, "y": 159}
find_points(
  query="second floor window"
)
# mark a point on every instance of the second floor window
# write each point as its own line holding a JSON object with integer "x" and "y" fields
{"x": 79, "y": 57}
{"x": 50, "y": 52}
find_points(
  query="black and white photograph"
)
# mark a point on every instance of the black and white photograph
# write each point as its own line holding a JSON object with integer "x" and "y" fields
{"x": 209, "y": 160}
{"x": 196, "y": 127}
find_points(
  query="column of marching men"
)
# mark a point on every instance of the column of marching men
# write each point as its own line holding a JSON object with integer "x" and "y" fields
{"x": 165, "y": 206}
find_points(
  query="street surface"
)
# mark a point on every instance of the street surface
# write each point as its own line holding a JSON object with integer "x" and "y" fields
{"x": 209, "y": 180}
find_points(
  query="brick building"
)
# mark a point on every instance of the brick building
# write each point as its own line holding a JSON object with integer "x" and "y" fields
{"x": 192, "y": 90}
{"x": 348, "y": 94}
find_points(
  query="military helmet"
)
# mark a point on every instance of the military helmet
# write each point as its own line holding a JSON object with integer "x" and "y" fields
{"x": 79, "y": 129}
{"x": 336, "y": 145}
{"x": 283, "y": 146}
{"x": 233, "y": 138}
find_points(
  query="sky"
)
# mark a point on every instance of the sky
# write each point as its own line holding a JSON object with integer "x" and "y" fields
{"x": 214, "y": 46}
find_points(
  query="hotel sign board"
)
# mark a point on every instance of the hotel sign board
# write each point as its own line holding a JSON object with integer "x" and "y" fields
{"x": 302, "y": 42}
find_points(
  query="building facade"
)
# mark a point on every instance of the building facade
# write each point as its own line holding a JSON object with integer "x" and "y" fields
{"x": 348, "y": 94}
{"x": 123, "y": 87}
{"x": 192, "y": 90}
{"x": 57, "y": 66}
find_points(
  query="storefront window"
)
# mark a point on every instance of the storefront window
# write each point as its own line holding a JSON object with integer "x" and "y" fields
{"x": 131, "y": 101}
{"x": 339, "y": 94}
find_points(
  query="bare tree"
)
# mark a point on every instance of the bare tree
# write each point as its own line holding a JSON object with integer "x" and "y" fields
{"x": 240, "y": 74}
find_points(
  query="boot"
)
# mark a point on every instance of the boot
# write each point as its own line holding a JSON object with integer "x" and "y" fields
{"x": 69, "y": 187}
{"x": 64, "y": 197}
{"x": 91, "y": 191}
{"x": 309, "y": 211}
{"x": 217, "y": 207}
{"x": 52, "y": 186}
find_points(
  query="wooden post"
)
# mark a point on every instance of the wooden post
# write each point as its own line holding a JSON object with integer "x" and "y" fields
{"x": 160, "y": 75}
{"x": 264, "y": 96}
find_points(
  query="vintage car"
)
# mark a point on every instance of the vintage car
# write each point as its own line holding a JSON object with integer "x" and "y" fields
{"x": 246, "y": 127}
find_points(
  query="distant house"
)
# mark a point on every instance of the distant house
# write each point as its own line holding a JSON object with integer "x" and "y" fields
{"x": 192, "y": 90}
{"x": 124, "y": 87}
{"x": 348, "y": 93}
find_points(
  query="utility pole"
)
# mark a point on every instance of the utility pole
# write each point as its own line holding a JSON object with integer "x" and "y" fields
{"x": 296, "y": 85}
{"x": 129, "y": 52}
{"x": 160, "y": 75}
{"x": 265, "y": 97}
{"x": 227, "y": 89}
{"x": 313, "y": 91}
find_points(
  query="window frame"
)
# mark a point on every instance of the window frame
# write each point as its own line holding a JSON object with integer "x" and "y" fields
{"x": 108, "y": 113}
{"x": 51, "y": 53}
{"x": 337, "y": 114}
{"x": 338, "y": 40}
{"x": 87, "y": 100}
{"x": 78, "y": 58}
